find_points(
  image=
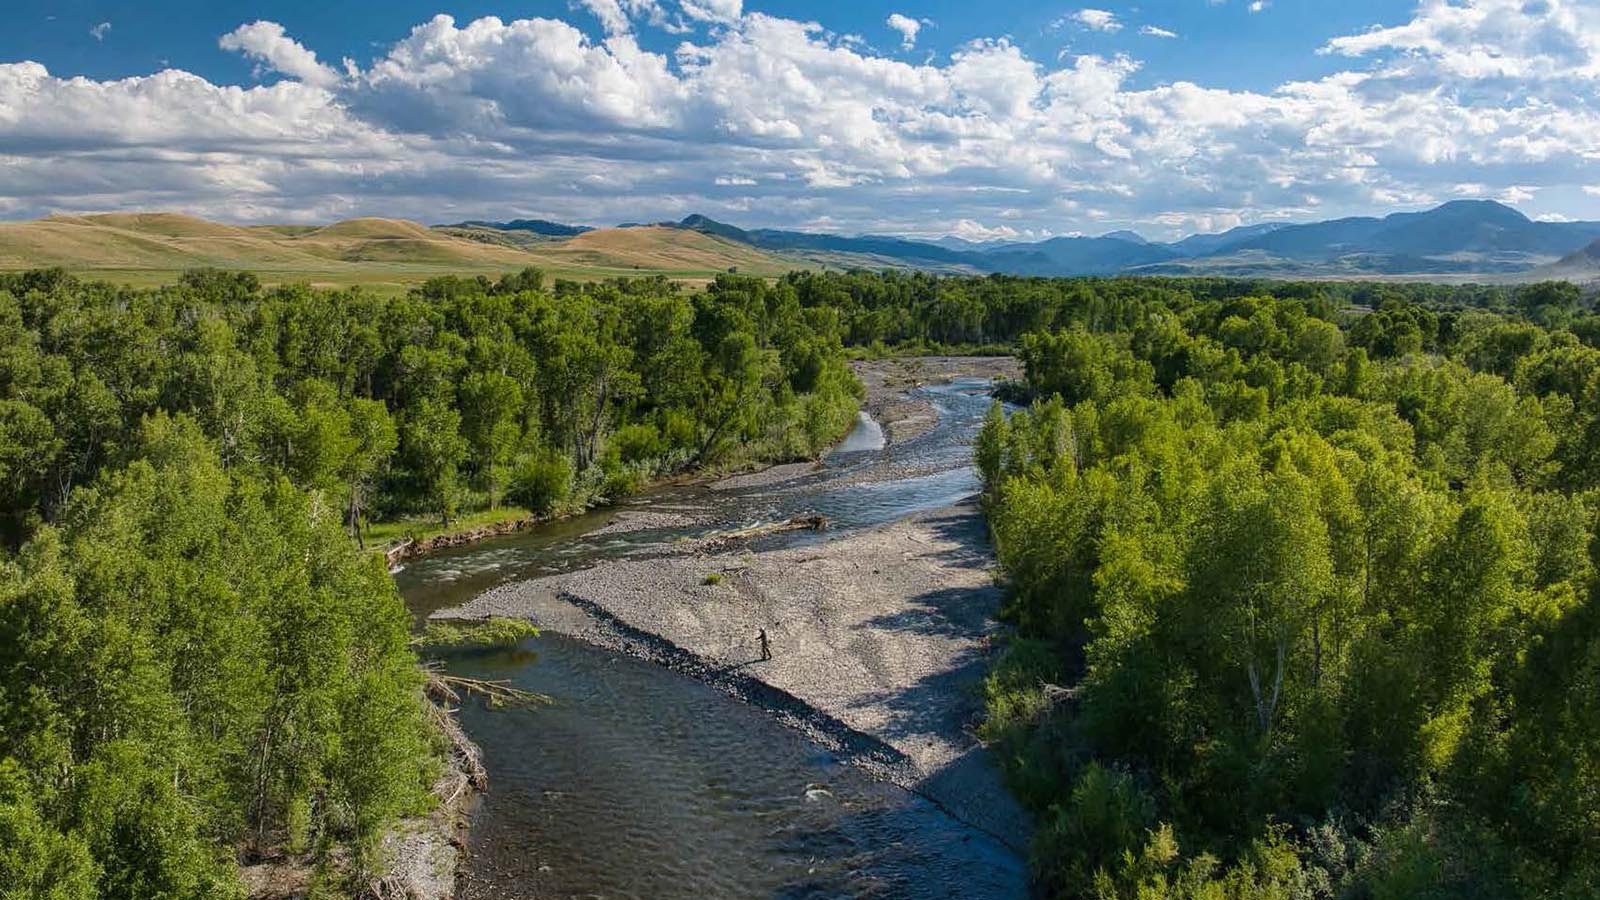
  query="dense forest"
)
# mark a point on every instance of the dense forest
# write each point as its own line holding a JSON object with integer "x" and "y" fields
{"x": 1301, "y": 573}
{"x": 198, "y": 667}
{"x": 910, "y": 312}
{"x": 1305, "y": 594}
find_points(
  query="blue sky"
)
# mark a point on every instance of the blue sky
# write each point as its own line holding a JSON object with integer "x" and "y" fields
{"x": 997, "y": 119}
{"x": 1222, "y": 44}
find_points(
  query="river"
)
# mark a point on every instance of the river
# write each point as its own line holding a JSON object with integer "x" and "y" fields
{"x": 641, "y": 782}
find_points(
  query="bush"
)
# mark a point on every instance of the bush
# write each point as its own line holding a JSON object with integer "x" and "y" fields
{"x": 638, "y": 443}
{"x": 541, "y": 481}
{"x": 621, "y": 479}
{"x": 1107, "y": 814}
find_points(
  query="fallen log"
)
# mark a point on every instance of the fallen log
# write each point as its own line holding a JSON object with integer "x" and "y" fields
{"x": 807, "y": 522}
{"x": 444, "y": 688}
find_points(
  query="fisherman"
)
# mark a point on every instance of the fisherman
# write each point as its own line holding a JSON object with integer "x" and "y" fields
{"x": 766, "y": 647}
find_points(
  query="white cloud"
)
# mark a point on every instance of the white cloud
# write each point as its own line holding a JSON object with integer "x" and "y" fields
{"x": 1480, "y": 39}
{"x": 1155, "y": 31}
{"x": 1258, "y": 5}
{"x": 1518, "y": 193}
{"x": 98, "y": 32}
{"x": 494, "y": 118}
{"x": 269, "y": 45}
{"x": 1097, "y": 19}
{"x": 611, "y": 15}
{"x": 616, "y": 16}
{"x": 721, "y": 11}
{"x": 967, "y": 229}
{"x": 908, "y": 28}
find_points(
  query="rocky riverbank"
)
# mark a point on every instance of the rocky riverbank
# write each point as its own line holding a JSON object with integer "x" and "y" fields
{"x": 880, "y": 639}
{"x": 906, "y": 416}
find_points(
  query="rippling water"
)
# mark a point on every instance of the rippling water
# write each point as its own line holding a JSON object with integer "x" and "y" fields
{"x": 640, "y": 782}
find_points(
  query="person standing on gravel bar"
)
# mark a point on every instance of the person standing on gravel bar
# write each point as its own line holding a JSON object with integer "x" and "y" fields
{"x": 766, "y": 648}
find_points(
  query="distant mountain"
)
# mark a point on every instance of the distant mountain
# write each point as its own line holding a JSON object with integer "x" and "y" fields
{"x": 1580, "y": 266}
{"x": 965, "y": 246}
{"x": 1463, "y": 235}
{"x": 1075, "y": 255}
{"x": 1459, "y": 238}
{"x": 1132, "y": 237}
{"x": 1207, "y": 244}
{"x": 865, "y": 250}
{"x": 536, "y": 226}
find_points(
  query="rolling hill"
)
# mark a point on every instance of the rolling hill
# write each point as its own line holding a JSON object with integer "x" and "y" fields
{"x": 1457, "y": 241}
{"x": 654, "y": 248}
{"x": 173, "y": 241}
{"x": 154, "y": 247}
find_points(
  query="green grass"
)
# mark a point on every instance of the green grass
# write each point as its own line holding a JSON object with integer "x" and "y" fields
{"x": 421, "y": 528}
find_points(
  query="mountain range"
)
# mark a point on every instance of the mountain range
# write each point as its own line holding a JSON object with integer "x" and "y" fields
{"x": 1460, "y": 238}
{"x": 1463, "y": 240}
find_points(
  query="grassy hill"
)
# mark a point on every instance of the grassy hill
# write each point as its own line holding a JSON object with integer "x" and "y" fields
{"x": 653, "y": 248}
{"x": 148, "y": 248}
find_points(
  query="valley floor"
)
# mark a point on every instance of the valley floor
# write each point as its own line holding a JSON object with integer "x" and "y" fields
{"x": 880, "y": 637}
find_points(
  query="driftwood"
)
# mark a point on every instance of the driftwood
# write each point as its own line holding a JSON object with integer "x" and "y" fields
{"x": 444, "y": 689}
{"x": 811, "y": 522}
{"x": 1057, "y": 694}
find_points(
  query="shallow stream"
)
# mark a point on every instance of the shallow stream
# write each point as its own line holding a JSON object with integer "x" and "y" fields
{"x": 641, "y": 782}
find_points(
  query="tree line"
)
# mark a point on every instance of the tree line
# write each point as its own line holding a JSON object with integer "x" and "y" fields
{"x": 198, "y": 668}
{"x": 1305, "y": 595}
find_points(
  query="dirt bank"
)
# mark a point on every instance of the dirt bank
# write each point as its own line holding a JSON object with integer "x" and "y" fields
{"x": 410, "y": 547}
{"x": 888, "y": 381}
{"x": 880, "y": 639}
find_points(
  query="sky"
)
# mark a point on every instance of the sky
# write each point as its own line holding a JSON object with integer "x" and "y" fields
{"x": 993, "y": 120}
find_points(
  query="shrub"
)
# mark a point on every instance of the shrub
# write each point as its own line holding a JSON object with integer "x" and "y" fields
{"x": 541, "y": 481}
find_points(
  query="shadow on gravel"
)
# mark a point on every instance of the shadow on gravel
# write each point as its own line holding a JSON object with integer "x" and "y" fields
{"x": 854, "y": 747}
{"x": 942, "y": 703}
{"x": 950, "y": 612}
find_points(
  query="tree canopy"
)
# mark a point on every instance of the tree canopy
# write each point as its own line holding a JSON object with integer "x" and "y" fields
{"x": 1305, "y": 599}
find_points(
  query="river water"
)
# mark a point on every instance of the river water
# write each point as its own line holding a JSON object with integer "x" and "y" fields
{"x": 641, "y": 782}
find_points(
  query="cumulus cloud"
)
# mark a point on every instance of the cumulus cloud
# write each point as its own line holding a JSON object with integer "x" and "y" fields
{"x": 99, "y": 31}
{"x": 616, "y": 16}
{"x": 908, "y": 28}
{"x": 722, "y": 11}
{"x": 273, "y": 49}
{"x": 1155, "y": 31}
{"x": 611, "y": 15}
{"x": 773, "y": 121}
{"x": 1478, "y": 39}
{"x": 1097, "y": 19}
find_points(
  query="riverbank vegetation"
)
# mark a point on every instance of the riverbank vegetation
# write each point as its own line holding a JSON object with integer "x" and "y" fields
{"x": 1314, "y": 583}
{"x": 198, "y": 668}
{"x": 1305, "y": 594}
